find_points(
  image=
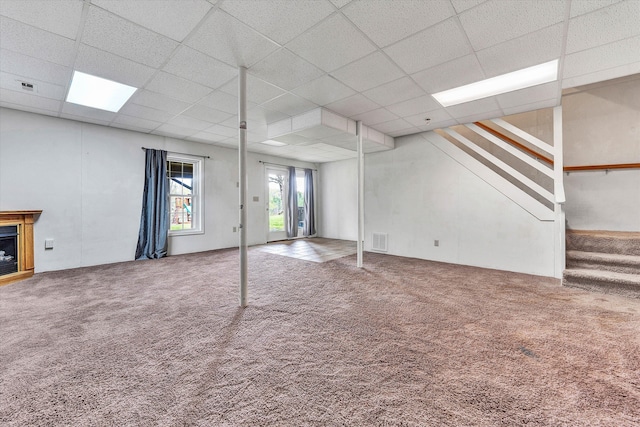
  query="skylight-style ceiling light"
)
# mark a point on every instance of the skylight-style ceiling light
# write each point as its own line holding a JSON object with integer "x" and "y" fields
{"x": 96, "y": 92}
{"x": 272, "y": 142}
{"x": 527, "y": 77}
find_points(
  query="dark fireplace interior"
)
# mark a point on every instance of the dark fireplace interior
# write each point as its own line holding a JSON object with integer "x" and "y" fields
{"x": 8, "y": 249}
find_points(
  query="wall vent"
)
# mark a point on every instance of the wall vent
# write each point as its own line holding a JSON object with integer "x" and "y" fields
{"x": 379, "y": 242}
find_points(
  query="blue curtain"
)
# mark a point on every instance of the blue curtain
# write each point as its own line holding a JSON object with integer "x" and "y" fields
{"x": 153, "y": 237}
{"x": 291, "y": 210}
{"x": 309, "y": 206}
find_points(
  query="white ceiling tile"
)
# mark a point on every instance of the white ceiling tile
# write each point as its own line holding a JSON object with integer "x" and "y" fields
{"x": 531, "y": 49}
{"x": 174, "y": 19}
{"x": 112, "y": 67}
{"x": 200, "y": 68}
{"x": 375, "y": 116}
{"x": 497, "y": 21}
{"x": 458, "y": 72}
{"x": 386, "y": 22}
{"x": 529, "y": 95}
{"x": 474, "y": 107}
{"x": 602, "y": 75}
{"x": 221, "y": 101}
{"x": 174, "y": 131}
{"x": 223, "y": 37}
{"x": 580, "y": 7}
{"x": 207, "y": 137}
{"x": 28, "y": 109}
{"x": 126, "y": 126}
{"x": 18, "y": 37}
{"x": 109, "y": 32}
{"x": 549, "y": 103}
{"x": 286, "y": 70}
{"x": 29, "y": 67}
{"x": 438, "y": 125}
{"x": 87, "y": 112}
{"x": 440, "y": 43}
{"x": 158, "y": 101}
{"x": 617, "y": 22}
{"x": 189, "y": 122}
{"x": 223, "y": 131}
{"x": 462, "y": 5}
{"x": 258, "y": 91}
{"x": 289, "y": 104}
{"x": 143, "y": 112}
{"x": 207, "y": 114}
{"x": 480, "y": 116}
{"x": 176, "y": 87}
{"x": 280, "y": 20}
{"x": 324, "y": 90}
{"x": 85, "y": 119}
{"x": 436, "y": 116}
{"x": 353, "y": 105}
{"x": 368, "y": 72}
{"x": 137, "y": 122}
{"x": 61, "y": 17}
{"x": 394, "y": 92}
{"x": 392, "y": 126}
{"x": 29, "y": 101}
{"x": 47, "y": 90}
{"x": 324, "y": 45}
{"x": 261, "y": 115}
{"x": 414, "y": 106}
{"x": 603, "y": 57}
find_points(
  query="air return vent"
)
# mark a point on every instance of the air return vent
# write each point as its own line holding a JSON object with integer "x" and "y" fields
{"x": 379, "y": 242}
{"x": 30, "y": 87}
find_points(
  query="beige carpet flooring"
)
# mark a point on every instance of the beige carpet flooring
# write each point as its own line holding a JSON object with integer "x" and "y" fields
{"x": 402, "y": 342}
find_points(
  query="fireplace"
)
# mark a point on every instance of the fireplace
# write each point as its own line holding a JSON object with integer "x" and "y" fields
{"x": 8, "y": 249}
{"x": 16, "y": 245}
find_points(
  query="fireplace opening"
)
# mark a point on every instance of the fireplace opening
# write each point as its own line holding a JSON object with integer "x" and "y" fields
{"x": 8, "y": 249}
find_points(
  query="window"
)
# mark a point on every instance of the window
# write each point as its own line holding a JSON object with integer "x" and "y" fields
{"x": 185, "y": 207}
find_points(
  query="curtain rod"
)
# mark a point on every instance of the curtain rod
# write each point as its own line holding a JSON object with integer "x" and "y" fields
{"x": 284, "y": 166}
{"x": 186, "y": 154}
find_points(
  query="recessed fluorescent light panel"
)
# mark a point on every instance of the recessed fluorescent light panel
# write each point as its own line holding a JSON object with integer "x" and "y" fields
{"x": 272, "y": 142}
{"x": 527, "y": 77}
{"x": 96, "y": 92}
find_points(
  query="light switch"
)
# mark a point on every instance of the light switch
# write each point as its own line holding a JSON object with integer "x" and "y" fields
{"x": 256, "y": 198}
{"x": 48, "y": 243}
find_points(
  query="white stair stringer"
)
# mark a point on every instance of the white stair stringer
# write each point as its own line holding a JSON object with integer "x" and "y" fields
{"x": 522, "y": 199}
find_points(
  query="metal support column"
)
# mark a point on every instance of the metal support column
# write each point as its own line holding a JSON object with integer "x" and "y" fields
{"x": 558, "y": 191}
{"x": 242, "y": 182}
{"x": 360, "y": 194}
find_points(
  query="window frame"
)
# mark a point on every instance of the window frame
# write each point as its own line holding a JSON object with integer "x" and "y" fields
{"x": 197, "y": 201}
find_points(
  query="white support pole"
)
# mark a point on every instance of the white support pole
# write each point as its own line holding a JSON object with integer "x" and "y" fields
{"x": 558, "y": 192}
{"x": 242, "y": 171}
{"x": 360, "y": 194}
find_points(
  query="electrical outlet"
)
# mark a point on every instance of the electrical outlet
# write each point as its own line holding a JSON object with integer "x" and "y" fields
{"x": 436, "y": 243}
{"x": 235, "y": 229}
{"x": 256, "y": 198}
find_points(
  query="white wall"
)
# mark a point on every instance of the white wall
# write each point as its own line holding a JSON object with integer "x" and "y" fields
{"x": 338, "y": 200}
{"x": 602, "y": 126}
{"x": 418, "y": 194}
{"x": 88, "y": 180}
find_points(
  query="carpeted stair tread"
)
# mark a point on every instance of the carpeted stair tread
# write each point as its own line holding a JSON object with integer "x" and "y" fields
{"x": 614, "y": 242}
{"x": 603, "y": 261}
{"x": 603, "y": 281}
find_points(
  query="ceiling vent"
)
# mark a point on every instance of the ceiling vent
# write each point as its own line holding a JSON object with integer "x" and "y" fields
{"x": 29, "y": 87}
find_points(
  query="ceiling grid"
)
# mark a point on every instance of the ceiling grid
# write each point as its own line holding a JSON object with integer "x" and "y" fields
{"x": 374, "y": 61}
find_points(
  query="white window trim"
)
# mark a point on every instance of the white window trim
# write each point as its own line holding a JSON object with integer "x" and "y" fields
{"x": 198, "y": 189}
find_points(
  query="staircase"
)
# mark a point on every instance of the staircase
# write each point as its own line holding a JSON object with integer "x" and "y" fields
{"x": 603, "y": 261}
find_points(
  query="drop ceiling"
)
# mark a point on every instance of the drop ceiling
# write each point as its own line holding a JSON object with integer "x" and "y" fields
{"x": 376, "y": 61}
